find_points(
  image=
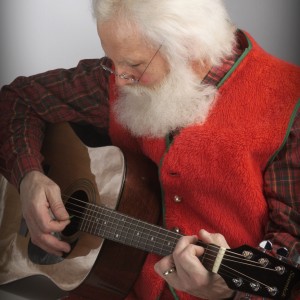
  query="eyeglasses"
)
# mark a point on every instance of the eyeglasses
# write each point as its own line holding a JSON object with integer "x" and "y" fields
{"x": 126, "y": 76}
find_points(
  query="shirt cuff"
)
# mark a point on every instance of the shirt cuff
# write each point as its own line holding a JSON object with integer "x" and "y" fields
{"x": 23, "y": 165}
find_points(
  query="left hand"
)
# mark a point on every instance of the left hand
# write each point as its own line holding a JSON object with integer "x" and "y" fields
{"x": 189, "y": 274}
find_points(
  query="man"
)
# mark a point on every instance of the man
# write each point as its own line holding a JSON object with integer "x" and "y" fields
{"x": 218, "y": 115}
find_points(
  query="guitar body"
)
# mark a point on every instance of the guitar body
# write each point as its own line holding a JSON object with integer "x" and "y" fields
{"x": 104, "y": 176}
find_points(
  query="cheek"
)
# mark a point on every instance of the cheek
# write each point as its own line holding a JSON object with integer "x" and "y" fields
{"x": 146, "y": 80}
{"x": 150, "y": 79}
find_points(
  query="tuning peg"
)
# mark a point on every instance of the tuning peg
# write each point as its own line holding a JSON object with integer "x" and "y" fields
{"x": 282, "y": 253}
{"x": 266, "y": 246}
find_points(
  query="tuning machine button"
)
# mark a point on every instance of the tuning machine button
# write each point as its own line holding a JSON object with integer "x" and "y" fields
{"x": 247, "y": 254}
{"x": 272, "y": 291}
{"x": 280, "y": 270}
{"x": 263, "y": 262}
{"x": 282, "y": 253}
{"x": 255, "y": 286}
{"x": 266, "y": 246}
{"x": 237, "y": 281}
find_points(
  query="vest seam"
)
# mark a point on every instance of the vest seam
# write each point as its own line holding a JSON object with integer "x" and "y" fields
{"x": 237, "y": 63}
{"x": 173, "y": 292}
{"x": 288, "y": 130}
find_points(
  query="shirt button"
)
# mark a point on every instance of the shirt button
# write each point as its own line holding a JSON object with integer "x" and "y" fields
{"x": 176, "y": 229}
{"x": 177, "y": 199}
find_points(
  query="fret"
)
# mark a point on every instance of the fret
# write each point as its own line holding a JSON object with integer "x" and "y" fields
{"x": 151, "y": 237}
{"x": 110, "y": 229}
{"x": 168, "y": 243}
{"x": 115, "y": 226}
{"x": 94, "y": 218}
{"x": 136, "y": 233}
{"x": 84, "y": 221}
{"x": 90, "y": 217}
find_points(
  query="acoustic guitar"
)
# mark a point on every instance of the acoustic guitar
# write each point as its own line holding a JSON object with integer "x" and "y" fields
{"x": 113, "y": 199}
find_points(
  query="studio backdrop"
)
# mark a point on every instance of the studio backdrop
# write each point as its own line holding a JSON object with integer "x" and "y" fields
{"x": 39, "y": 35}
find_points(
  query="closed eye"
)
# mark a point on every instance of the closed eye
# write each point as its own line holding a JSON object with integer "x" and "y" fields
{"x": 135, "y": 65}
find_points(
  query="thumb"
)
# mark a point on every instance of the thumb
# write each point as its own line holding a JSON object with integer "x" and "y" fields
{"x": 56, "y": 204}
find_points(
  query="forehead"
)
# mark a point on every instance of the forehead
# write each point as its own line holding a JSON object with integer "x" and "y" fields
{"x": 123, "y": 42}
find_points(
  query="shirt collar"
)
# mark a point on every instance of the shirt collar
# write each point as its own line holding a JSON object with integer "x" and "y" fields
{"x": 216, "y": 73}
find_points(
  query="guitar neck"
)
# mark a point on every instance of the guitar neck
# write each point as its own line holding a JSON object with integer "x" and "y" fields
{"x": 123, "y": 229}
{"x": 232, "y": 265}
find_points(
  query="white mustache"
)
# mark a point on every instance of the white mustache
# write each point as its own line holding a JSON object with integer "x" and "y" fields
{"x": 177, "y": 102}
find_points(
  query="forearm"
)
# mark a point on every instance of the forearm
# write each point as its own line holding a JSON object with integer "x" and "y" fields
{"x": 282, "y": 191}
{"x": 77, "y": 95}
{"x": 21, "y": 133}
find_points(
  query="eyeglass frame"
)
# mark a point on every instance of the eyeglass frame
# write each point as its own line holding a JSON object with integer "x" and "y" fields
{"x": 128, "y": 76}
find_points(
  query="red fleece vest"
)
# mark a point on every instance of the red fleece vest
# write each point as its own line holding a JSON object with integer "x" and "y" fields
{"x": 217, "y": 168}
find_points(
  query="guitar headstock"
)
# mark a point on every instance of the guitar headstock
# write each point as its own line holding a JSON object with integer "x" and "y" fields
{"x": 255, "y": 272}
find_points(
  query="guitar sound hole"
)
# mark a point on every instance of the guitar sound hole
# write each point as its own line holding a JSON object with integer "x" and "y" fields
{"x": 76, "y": 207}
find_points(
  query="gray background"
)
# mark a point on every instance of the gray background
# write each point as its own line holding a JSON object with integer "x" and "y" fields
{"x": 38, "y": 35}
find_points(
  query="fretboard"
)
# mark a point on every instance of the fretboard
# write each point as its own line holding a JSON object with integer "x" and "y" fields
{"x": 115, "y": 226}
{"x": 112, "y": 225}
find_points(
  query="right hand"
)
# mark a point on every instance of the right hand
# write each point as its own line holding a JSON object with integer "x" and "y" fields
{"x": 44, "y": 212}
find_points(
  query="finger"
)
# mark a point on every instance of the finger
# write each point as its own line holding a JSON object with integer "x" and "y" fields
{"x": 43, "y": 236}
{"x": 41, "y": 217}
{"x": 56, "y": 204}
{"x": 186, "y": 256}
{"x": 51, "y": 244}
{"x": 166, "y": 263}
{"x": 183, "y": 242}
{"x": 213, "y": 238}
{"x": 186, "y": 247}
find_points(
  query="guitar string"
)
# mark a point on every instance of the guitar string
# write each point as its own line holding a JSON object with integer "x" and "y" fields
{"x": 225, "y": 272}
{"x": 211, "y": 253}
{"x": 138, "y": 229}
{"x": 177, "y": 236}
{"x": 159, "y": 240}
{"x": 237, "y": 273}
{"x": 231, "y": 254}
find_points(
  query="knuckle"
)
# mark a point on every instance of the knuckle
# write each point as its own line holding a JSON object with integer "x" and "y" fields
{"x": 218, "y": 236}
{"x": 54, "y": 187}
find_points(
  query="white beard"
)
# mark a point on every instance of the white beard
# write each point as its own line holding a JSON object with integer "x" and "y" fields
{"x": 176, "y": 103}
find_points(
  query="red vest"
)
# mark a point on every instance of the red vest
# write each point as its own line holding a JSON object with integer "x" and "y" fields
{"x": 216, "y": 169}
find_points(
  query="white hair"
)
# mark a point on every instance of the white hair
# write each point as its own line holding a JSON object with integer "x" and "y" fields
{"x": 189, "y": 29}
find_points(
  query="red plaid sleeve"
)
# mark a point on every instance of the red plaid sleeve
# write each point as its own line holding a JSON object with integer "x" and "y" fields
{"x": 282, "y": 190}
{"x": 79, "y": 94}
